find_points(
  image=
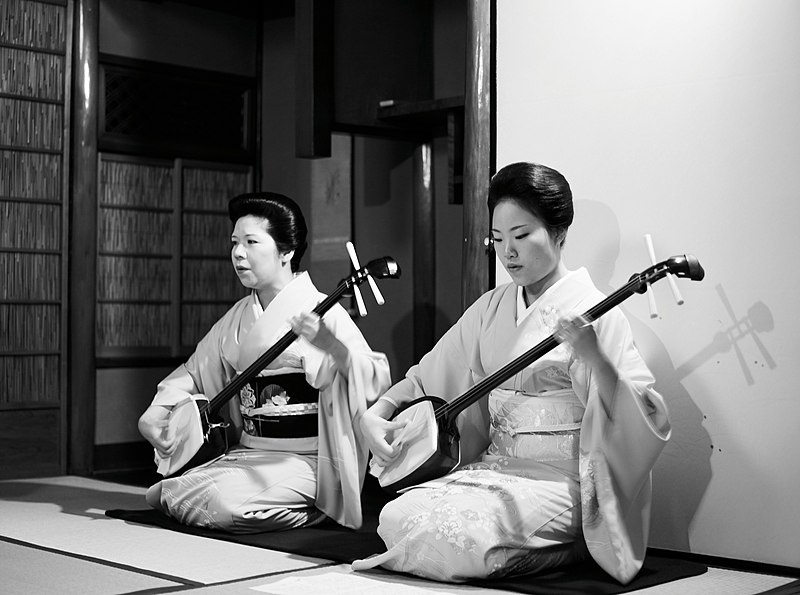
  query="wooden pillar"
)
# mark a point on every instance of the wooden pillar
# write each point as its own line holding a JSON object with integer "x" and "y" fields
{"x": 424, "y": 238}
{"x": 475, "y": 263}
{"x": 258, "y": 128}
{"x": 313, "y": 77}
{"x": 83, "y": 241}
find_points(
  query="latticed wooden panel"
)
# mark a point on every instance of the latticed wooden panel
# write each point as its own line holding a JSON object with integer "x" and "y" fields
{"x": 125, "y": 113}
{"x": 176, "y": 111}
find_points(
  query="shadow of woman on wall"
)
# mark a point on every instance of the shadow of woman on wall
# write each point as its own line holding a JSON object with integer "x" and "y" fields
{"x": 683, "y": 471}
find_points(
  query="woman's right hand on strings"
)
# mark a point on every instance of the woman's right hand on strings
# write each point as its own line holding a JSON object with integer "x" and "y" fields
{"x": 154, "y": 426}
{"x": 375, "y": 428}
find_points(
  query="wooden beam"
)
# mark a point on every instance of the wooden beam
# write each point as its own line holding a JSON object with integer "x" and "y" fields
{"x": 257, "y": 126}
{"x": 313, "y": 77}
{"x": 83, "y": 241}
{"x": 66, "y": 174}
{"x": 455, "y": 156}
{"x": 475, "y": 263}
{"x": 424, "y": 238}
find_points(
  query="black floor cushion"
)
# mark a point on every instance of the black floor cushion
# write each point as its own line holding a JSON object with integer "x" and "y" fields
{"x": 336, "y": 543}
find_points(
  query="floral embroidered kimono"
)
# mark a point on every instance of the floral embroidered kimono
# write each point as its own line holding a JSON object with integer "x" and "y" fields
{"x": 546, "y": 477}
{"x": 299, "y": 457}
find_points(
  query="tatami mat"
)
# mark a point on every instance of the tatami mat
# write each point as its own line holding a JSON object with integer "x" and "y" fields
{"x": 720, "y": 581}
{"x": 29, "y": 570}
{"x": 340, "y": 580}
{"x": 55, "y": 538}
{"x": 68, "y": 514}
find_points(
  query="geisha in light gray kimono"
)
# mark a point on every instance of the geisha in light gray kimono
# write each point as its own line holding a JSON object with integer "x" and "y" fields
{"x": 555, "y": 464}
{"x": 300, "y": 456}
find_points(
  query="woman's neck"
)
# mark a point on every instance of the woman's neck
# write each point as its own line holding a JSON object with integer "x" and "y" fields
{"x": 267, "y": 294}
{"x": 532, "y": 292}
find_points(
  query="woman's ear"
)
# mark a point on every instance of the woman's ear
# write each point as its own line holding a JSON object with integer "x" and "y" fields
{"x": 287, "y": 256}
{"x": 562, "y": 239}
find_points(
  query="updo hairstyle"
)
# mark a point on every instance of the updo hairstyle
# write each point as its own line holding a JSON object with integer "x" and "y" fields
{"x": 285, "y": 221}
{"x": 539, "y": 189}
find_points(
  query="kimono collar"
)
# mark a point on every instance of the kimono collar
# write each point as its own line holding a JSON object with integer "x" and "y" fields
{"x": 299, "y": 286}
{"x": 272, "y": 322}
{"x": 572, "y": 278}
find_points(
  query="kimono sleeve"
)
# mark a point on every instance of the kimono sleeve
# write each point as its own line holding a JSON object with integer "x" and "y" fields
{"x": 448, "y": 370}
{"x": 618, "y": 452}
{"x": 343, "y": 398}
{"x": 371, "y": 366}
{"x": 451, "y": 366}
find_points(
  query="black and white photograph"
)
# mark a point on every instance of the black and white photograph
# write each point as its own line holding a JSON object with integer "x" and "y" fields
{"x": 399, "y": 297}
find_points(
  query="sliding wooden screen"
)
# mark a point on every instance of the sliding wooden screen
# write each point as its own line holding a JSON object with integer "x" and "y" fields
{"x": 35, "y": 40}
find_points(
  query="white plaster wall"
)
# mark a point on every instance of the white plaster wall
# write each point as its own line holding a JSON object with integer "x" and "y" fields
{"x": 681, "y": 118}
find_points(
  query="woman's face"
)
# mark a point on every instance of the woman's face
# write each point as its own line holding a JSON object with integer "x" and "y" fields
{"x": 256, "y": 258}
{"x": 525, "y": 248}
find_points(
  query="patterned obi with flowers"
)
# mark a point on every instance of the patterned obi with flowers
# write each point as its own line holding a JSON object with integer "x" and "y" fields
{"x": 544, "y": 427}
{"x": 281, "y": 407}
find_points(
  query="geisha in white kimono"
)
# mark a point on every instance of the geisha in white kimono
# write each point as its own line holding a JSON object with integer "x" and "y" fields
{"x": 546, "y": 473}
{"x": 277, "y": 479}
{"x": 555, "y": 462}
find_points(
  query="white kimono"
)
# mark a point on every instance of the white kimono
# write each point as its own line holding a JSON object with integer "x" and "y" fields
{"x": 545, "y": 473}
{"x": 326, "y": 477}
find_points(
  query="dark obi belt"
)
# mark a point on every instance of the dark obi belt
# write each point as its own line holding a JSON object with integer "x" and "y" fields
{"x": 281, "y": 406}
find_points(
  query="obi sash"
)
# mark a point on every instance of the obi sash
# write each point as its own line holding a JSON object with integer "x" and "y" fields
{"x": 280, "y": 407}
{"x": 544, "y": 427}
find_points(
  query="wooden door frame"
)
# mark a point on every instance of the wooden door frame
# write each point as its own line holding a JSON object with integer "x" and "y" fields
{"x": 479, "y": 162}
{"x": 83, "y": 242}
{"x": 477, "y": 264}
